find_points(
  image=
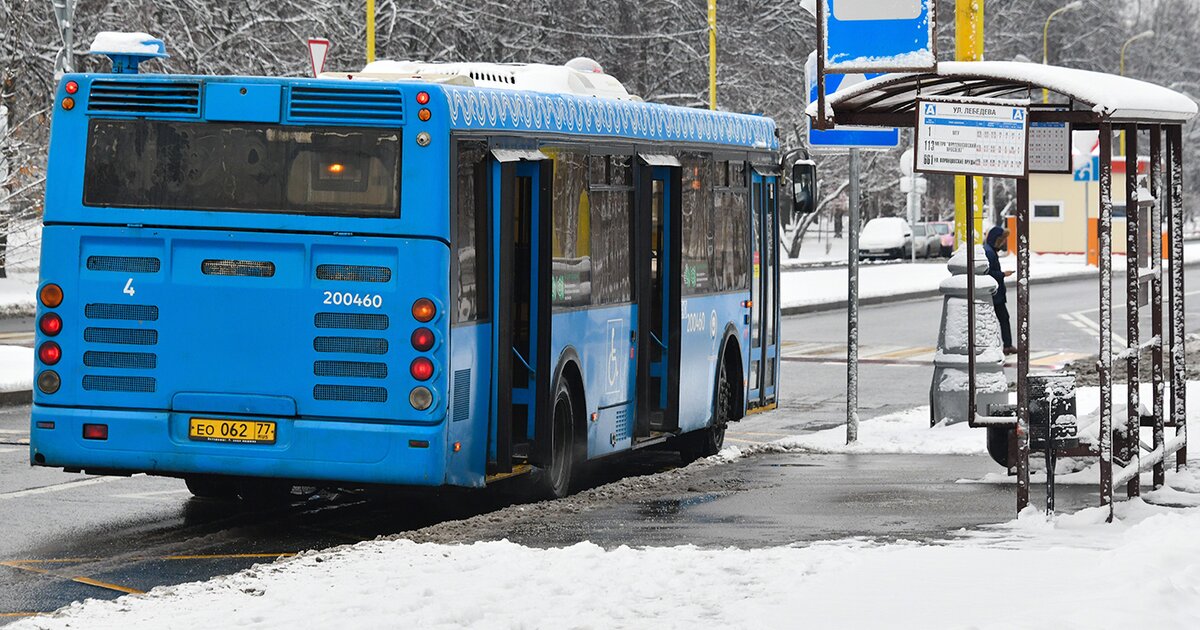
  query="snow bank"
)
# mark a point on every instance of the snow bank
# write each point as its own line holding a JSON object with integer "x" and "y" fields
{"x": 903, "y": 432}
{"x": 1073, "y": 571}
{"x": 17, "y": 293}
{"x": 16, "y": 368}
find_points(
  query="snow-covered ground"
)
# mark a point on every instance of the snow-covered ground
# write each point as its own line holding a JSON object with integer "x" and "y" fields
{"x": 16, "y": 368}
{"x": 825, "y": 286}
{"x": 1070, "y": 571}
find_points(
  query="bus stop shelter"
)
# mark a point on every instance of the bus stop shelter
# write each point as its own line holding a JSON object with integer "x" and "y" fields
{"x": 1086, "y": 101}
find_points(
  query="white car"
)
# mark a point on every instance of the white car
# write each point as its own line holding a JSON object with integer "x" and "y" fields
{"x": 885, "y": 237}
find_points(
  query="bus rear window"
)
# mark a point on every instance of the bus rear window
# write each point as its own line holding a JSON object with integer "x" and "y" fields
{"x": 243, "y": 168}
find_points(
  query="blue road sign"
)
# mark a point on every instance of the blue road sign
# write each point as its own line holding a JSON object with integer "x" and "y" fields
{"x": 1089, "y": 171}
{"x": 845, "y": 137}
{"x": 869, "y": 35}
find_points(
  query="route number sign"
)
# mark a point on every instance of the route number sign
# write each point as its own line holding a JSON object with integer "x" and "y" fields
{"x": 972, "y": 137}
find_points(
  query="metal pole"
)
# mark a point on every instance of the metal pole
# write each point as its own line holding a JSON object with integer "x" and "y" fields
{"x": 1023, "y": 346}
{"x": 1133, "y": 417}
{"x": 1104, "y": 362}
{"x": 370, "y": 31}
{"x": 852, "y": 310}
{"x": 971, "y": 415}
{"x": 1156, "y": 298}
{"x": 1175, "y": 244}
{"x": 712, "y": 54}
{"x": 64, "y": 12}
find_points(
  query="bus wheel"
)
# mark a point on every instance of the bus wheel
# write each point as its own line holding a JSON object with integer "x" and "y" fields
{"x": 709, "y": 440}
{"x": 210, "y": 487}
{"x": 554, "y": 481}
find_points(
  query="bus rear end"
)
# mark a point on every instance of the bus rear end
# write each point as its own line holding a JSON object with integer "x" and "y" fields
{"x": 245, "y": 278}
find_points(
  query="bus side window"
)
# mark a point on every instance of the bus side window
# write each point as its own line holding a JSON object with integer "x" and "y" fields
{"x": 471, "y": 233}
{"x": 696, "y": 224}
{"x": 731, "y": 221}
{"x": 571, "y": 241}
{"x": 612, "y": 198}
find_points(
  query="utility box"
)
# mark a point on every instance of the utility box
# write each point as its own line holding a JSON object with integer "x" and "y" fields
{"x": 1053, "y": 422}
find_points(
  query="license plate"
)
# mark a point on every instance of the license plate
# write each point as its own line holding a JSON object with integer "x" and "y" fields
{"x": 233, "y": 431}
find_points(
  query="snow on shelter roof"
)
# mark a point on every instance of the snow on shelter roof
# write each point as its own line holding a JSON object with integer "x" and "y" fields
{"x": 1111, "y": 97}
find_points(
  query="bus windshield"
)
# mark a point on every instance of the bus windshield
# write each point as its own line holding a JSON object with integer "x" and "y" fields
{"x": 242, "y": 168}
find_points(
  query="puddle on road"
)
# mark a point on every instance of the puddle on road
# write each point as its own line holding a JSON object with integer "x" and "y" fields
{"x": 671, "y": 507}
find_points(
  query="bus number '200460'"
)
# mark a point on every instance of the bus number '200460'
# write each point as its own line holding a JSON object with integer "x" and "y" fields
{"x": 353, "y": 299}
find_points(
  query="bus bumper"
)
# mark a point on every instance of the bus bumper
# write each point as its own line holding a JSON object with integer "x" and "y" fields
{"x": 304, "y": 450}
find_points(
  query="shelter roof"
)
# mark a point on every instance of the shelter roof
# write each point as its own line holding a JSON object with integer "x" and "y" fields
{"x": 1105, "y": 97}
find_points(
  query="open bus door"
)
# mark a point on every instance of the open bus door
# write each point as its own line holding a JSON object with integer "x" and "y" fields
{"x": 521, "y": 341}
{"x": 764, "y": 289}
{"x": 658, "y": 260}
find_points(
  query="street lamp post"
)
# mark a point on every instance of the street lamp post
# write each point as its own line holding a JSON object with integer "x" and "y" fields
{"x": 1045, "y": 38}
{"x": 1142, "y": 35}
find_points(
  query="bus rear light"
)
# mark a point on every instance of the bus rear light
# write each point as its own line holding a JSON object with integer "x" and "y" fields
{"x": 49, "y": 382}
{"x": 45, "y": 424}
{"x": 424, "y": 114}
{"x": 421, "y": 369}
{"x": 422, "y": 339}
{"x": 50, "y": 324}
{"x": 51, "y": 295}
{"x": 71, "y": 87}
{"x": 422, "y": 98}
{"x": 418, "y": 443}
{"x": 457, "y": 446}
{"x": 95, "y": 431}
{"x": 49, "y": 353}
{"x": 68, "y": 103}
{"x": 424, "y": 310}
{"x": 420, "y": 398}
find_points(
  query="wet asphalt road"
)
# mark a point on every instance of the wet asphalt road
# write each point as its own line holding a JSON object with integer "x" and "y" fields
{"x": 68, "y": 537}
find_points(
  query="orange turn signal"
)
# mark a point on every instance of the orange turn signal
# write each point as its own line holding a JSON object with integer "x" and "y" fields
{"x": 68, "y": 103}
{"x": 424, "y": 310}
{"x": 51, "y": 295}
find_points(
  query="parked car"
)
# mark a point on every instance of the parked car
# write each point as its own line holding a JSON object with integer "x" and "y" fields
{"x": 926, "y": 242}
{"x": 885, "y": 237}
{"x": 945, "y": 231}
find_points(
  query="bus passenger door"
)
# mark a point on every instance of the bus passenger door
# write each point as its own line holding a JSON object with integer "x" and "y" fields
{"x": 521, "y": 342}
{"x": 763, "y": 291}
{"x": 659, "y": 292}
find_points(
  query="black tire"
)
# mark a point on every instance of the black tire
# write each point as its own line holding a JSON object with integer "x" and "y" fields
{"x": 555, "y": 481}
{"x": 997, "y": 444}
{"x": 211, "y": 487}
{"x": 708, "y": 441}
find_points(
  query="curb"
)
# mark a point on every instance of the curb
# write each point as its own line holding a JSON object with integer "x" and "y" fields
{"x": 838, "y": 305}
{"x": 16, "y": 398}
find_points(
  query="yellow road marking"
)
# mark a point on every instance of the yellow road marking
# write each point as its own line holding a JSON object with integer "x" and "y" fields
{"x": 108, "y": 585}
{"x": 224, "y": 556}
{"x": 903, "y": 353}
{"x": 762, "y": 433}
{"x": 19, "y": 614}
{"x": 742, "y": 441}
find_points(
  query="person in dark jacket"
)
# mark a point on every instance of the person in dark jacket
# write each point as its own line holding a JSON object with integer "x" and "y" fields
{"x": 997, "y": 239}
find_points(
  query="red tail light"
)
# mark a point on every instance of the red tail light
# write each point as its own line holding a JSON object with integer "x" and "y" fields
{"x": 423, "y": 98}
{"x": 421, "y": 369}
{"x": 71, "y": 87}
{"x": 422, "y": 339}
{"x": 50, "y": 324}
{"x": 95, "y": 431}
{"x": 49, "y": 353}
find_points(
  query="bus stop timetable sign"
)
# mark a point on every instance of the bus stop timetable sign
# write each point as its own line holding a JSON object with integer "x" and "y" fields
{"x": 972, "y": 137}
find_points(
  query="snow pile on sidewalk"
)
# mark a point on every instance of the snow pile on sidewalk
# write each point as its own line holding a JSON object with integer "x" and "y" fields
{"x": 904, "y": 432}
{"x": 16, "y": 368}
{"x": 1075, "y": 571}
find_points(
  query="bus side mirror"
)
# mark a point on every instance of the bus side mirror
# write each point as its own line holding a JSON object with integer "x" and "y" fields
{"x": 804, "y": 188}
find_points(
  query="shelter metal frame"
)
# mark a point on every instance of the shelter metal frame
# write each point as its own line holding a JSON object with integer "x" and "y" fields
{"x": 890, "y": 101}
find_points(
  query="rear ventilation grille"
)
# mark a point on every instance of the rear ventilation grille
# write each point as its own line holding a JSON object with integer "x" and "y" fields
{"x": 248, "y": 268}
{"x": 142, "y": 384}
{"x": 353, "y": 321}
{"x": 131, "y": 312}
{"x": 354, "y": 273}
{"x": 121, "y": 360}
{"x": 361, "y": 104}
{"x": 350, "y": 345}
{"x": 623, "y": 428}
{"x": 125, "y": 336}
{"x": 124, "y": 264}
{"x": 462, "y": 395}
{"x": 350, "y": 369}
{"x": 350, "y": 393}
{"x": 145, "y": 97}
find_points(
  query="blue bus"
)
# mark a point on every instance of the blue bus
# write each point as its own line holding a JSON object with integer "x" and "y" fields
{"x": 415, "y": 275}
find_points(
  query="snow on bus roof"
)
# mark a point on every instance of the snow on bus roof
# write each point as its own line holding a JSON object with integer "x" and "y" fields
{"x": 122, "y": 43}
{"x": 1109, "y": 96}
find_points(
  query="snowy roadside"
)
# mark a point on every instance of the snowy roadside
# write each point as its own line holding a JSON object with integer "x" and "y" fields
{"x": 16, "y": 369}
{"x": 1031, "y": 572}
{"x": 819, "y": 289}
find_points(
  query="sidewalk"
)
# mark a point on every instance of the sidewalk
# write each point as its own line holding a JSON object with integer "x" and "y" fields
{"x": 814, "y": 290}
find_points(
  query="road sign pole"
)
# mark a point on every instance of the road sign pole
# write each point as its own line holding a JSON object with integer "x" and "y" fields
{"x": 852, "y": 309}
{"x": 712, "y": 54}
{"x": 968, "y": 46}
{"x": 370, "y": 31}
